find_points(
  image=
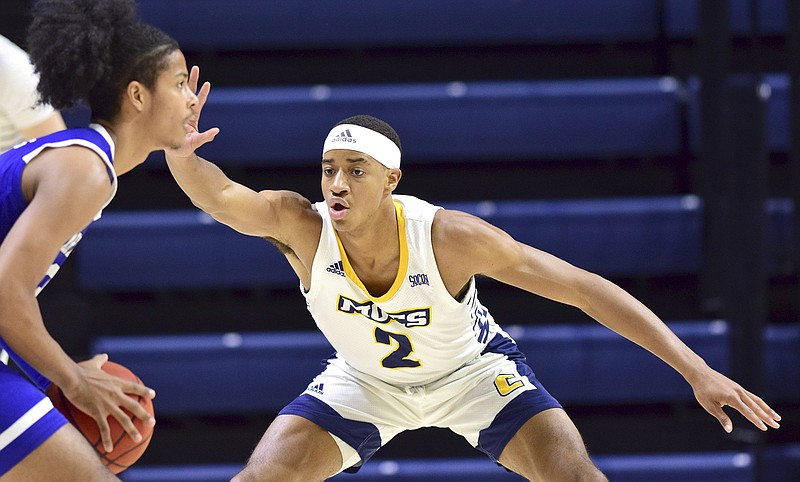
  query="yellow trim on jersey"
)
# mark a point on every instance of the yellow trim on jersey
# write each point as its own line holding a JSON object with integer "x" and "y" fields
{"x": 401, "y": 269}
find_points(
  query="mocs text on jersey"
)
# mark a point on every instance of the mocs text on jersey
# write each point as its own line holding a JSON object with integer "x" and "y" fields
{"x": 408, "y": 318}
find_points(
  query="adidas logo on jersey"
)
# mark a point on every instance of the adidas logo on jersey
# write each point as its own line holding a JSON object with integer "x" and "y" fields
{"x": 344, "y": 136}
{"x": 336, "y": 268}
{"x": 317, "y": 388}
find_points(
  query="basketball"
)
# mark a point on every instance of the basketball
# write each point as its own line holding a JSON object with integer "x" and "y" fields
{"x": 126, "y": 451}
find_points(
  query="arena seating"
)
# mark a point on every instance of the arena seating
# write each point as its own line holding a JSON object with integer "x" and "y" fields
{"x": 578, "y": 363}
{"x": 467, "y": 121}
{"x": 776, "y": 97}
{"x": 710, "y": 467}
{"x": 629, "y": 237}
{"x": 525, "y": 120}
{"x": 250, "y": 24}
{"x": 681, "y": 18}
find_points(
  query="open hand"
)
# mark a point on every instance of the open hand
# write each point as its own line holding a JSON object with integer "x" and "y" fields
{"x": 101, "y": 395}
{"x": 194, "y": 138}
{"x": 714, "y": 391}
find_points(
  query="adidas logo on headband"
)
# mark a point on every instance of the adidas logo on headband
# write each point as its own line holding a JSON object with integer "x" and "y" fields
{"x": 344, "y": 136}
{"x": 367, "y": 141}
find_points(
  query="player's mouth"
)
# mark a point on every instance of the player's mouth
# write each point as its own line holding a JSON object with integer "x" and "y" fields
{"x": 337, "y": 209}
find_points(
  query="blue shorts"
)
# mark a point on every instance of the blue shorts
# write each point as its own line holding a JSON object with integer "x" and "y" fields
{"x": 486, "y": 402}
{"x": 27, "y": 418}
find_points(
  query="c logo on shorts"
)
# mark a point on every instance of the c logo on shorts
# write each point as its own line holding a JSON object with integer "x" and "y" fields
{"x": 506, "y": 383}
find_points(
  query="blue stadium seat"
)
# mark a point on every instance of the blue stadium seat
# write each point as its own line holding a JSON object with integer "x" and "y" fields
{"x": 681, "y": 17}
{"x": 777, "y": 105}
{"x": 780, "y": 463}
{"x": 175, "y": 249}
{"x": 578, "y": 364}
{"x": 683, "y": 467}
{"x": 280, "y": 24}
{"x": 472, "y": 121}
{"x": 635, "y": 237}
{"x": 593, "y": 365}
{"x": 782, "y": 363}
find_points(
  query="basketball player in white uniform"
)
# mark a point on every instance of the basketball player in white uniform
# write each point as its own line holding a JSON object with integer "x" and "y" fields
{"x": 21, "y": 115}
{"x": 390, "y": 281}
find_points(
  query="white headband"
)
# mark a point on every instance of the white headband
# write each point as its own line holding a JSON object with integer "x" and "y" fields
{"x": 367, "y": 141}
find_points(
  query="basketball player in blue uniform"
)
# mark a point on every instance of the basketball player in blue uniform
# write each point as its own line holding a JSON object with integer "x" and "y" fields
{"x": 134, "y": 79}
{"x": 390, "y": 280}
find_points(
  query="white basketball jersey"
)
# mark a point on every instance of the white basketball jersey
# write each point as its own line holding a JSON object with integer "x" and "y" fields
{"x": 414, "y": 334}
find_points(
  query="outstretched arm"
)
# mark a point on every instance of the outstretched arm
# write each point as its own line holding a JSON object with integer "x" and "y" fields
{"x": 493, "y": 253}
{"x": 264, "y": 214}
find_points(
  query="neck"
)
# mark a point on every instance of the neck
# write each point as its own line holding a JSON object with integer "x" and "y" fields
{"x": 378, "y": 239}
{"x": 130, "y": 147}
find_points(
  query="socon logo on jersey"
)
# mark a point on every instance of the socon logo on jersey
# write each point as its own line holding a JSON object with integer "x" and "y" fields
{"x": 408, "y": 318}
{"x": 418, "y": 279}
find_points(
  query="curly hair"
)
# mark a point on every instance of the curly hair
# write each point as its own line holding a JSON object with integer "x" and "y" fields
{"x": 375, "y": 124}
{"x": 90, "y": 50}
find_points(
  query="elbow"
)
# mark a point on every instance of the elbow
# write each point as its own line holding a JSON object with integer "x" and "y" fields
{"x": 590, "y": 288}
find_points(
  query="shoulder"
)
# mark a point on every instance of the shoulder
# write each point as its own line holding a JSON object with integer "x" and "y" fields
{"x": 451, "y": 227}
{"x": 466, "y": 245}
{"x": 69, "y": 166}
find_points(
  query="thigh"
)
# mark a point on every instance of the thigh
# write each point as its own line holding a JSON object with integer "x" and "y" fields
{"x": 27, "y": 418}
{"x": 549, "y": 447}
{"x": 293, "y": 449}
{"x": 361, "y": 412}
{"x": 65, "y": 456}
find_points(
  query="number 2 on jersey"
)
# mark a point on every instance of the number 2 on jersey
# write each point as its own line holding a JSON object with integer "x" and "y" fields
{"x": 399, "y": 357}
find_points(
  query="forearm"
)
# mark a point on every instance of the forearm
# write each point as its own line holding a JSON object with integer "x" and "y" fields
{"x": 23, "y": 331}
{"x": 616, "y": 309}
{"x": 202, "y": 181}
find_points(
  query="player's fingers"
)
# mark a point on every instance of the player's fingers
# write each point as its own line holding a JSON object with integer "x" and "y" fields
{"x": 773, "y": 415}
{"x": 136, "y": 409}
{"x": 194, "y": 75}
{"x": 715, "y": 409}
{"x": 127, "y": 423}
{"x": 99, "y": 360}
{"x": 202, "y": 96}
{"x": 205, "y": 137}
{"x": 105, "y": 434}
{"x": 134, "y": 388}
{"x": 750, "y": 409}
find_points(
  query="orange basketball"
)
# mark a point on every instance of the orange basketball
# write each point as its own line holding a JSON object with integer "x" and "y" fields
{"x": 126, "y": 451}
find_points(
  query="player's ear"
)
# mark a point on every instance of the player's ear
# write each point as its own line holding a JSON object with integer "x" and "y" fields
{"x": 136, "y": 94}
{"x": 393, "y": 178}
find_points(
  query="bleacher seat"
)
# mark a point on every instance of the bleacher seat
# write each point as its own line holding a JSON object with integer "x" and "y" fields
{"x": 464, "y": 121}
{"x": 782, "y": 363}
{"x": 280, "y": 24}
{"x": 683, "y": 467}
{"x": 780, "y": 463}
{"x": 776, "y": 97}
{"x": 634, "y": 237}
{"x": 443, "y": 122}
{"x": 175, "y": 249}
{"x": 249, "y": 371}
{"x": 681, "y": 18}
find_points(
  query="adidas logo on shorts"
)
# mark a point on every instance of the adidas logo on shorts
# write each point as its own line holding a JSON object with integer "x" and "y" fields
{"x": 336, "y": 268}
{"x": 317, "y": 388}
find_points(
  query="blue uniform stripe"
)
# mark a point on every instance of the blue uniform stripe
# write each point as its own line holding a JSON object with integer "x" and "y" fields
{"x": 364, "y": 437}
{"x": 493, "y": 439}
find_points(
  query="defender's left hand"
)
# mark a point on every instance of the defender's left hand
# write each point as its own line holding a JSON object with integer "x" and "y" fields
{"x": 714, "y": 391}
